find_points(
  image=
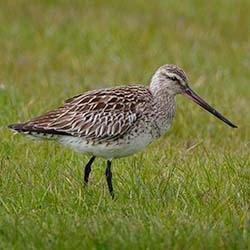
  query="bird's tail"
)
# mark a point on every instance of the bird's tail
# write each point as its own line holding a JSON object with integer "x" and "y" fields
{"x": 18, "y": 127}
{"x": 34, "y": 132}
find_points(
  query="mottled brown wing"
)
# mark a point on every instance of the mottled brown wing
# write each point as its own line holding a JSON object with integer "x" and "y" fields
{"x": 99, "y": 114}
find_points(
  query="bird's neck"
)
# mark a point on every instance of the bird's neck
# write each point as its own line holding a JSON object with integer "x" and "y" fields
{"x": 163, "y": 99}
{"x": 164, "y": 104}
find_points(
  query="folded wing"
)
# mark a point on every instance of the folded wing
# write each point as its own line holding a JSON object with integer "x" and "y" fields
{"x": 99, "y": 114}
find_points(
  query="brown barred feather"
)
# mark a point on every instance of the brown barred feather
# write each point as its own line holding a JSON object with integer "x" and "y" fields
{"x": 98, "y": 114}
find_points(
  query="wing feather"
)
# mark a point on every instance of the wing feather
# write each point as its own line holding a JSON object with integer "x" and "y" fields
{"x": 99, "y": 114}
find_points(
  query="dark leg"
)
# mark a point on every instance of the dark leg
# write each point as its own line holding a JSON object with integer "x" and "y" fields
{"x": 88, "y": 170}
{"x": 108, "y": 174}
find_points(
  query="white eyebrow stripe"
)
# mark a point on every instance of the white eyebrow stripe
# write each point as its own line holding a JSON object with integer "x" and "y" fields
{"x": 175, "y": 75}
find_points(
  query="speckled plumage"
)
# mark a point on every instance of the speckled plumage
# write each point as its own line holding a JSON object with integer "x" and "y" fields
{"x": 111, "y": 122}
{"x": 98, "y": 115}
{"x": 115, "y": 122}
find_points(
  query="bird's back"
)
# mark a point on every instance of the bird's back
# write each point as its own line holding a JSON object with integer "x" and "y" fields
{"x": 104, "y": 114}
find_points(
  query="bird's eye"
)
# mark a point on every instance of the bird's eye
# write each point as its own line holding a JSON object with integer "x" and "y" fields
{"x": 174, "y": 78}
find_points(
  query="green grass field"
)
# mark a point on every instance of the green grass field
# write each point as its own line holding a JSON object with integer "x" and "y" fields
{"x": 188, "y": 190}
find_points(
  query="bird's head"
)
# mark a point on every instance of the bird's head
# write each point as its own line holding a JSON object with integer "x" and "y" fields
{"x": 171, "y": 80}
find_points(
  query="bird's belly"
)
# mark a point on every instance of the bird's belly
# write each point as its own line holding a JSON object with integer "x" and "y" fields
{"x": 112, "y": 149}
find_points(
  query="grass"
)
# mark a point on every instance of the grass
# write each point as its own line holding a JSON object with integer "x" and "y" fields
{"x": 188, "y": 190}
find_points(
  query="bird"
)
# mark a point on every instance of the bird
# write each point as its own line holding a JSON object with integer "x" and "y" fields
{"x": 116, "y": 122}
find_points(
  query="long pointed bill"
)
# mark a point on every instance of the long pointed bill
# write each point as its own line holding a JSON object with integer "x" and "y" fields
{"x": 191, "y": 94}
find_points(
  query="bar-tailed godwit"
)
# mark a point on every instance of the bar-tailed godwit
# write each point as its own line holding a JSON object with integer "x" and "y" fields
{"x": 116, "y": 122}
